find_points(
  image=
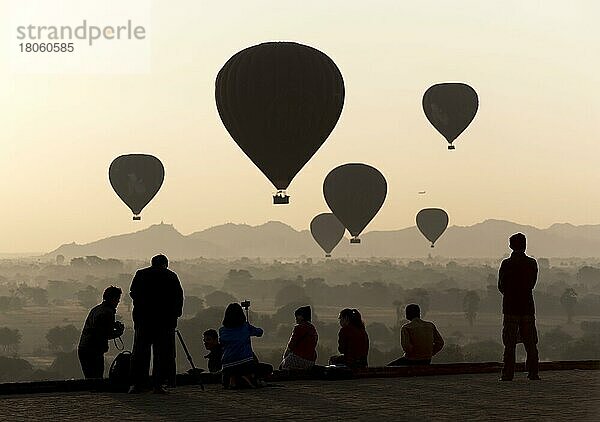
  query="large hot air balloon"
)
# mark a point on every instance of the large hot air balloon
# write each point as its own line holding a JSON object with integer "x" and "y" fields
{"x": 450, "y": 107}
{"x": 432, "y": 223}
{"x": 327, "y": 231}
{"x": 136, "y": 178}
{"x": 355, "y": 193}
{"x": 279, "y": 101}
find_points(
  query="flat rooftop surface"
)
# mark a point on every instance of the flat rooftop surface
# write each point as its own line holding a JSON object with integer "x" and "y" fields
{"x": 561, "y": 395}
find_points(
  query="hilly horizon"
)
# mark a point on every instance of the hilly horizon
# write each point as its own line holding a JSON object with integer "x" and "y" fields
{"x": 275, "y": 239}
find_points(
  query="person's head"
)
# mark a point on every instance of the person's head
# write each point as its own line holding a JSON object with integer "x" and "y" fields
{"x": 112, "y": 295}
{"x": 210, "y": 339}
{"x": 302, "y": 314}
{"x": 413, "y": 311}
{"x": 160, "y": 261}
{"x": 234, "y": 316}
{"x": 351, "y": 317}
{"x": 517, "y": 242}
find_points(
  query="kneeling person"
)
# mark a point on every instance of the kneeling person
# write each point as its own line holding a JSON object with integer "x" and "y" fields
{"x": 420, "y": 339}
{"x": 100, "y": 326}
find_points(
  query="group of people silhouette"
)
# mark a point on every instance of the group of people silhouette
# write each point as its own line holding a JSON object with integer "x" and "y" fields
{"x": 158, "y": 300}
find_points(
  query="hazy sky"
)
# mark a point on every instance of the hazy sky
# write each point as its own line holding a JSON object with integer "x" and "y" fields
{"x": 531, "y": 154}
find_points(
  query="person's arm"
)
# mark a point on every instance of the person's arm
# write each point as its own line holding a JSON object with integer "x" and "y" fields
{"x": 438, "y": 341}
{"x": 342, "y": 342}
{"x": 105, "y": 324}
{"x": 501, "y": 278}
{"x": 294, "y": 338}
{"x": 534, "y": 274}
{"x": 133, "y": 289}
{"x": 178, "y": 303}
{"x": 255, "y": 331}
{"x": 405, "y": 340}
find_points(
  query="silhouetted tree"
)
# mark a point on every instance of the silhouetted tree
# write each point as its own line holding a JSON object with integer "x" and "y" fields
{"x": 36, "y": 295}
{"x": 193, "y": 305}
{"x": 9, "y": 339}
{"x": 88, "y": 297}
{"x": 419, "y": 296}
{"x": 219, "y": 298}
{"x": 288, "y": 294}
{"x": 62, "y": 338}
{"x": 10, "y": 303}
{"x": 471, "y": 306}
{"x": 66, "y": 365}
{"x": 14, "y": 369}
{"x": 568, "y": 300}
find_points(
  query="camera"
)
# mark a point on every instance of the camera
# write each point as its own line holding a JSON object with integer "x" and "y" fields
{"x": 245, "y": 304}
{"x": 119, "y": 326}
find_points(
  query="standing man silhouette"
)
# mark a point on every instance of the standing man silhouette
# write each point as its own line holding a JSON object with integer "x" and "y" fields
{"x": 157, "y": 303}
{"x": 516, "y": 280}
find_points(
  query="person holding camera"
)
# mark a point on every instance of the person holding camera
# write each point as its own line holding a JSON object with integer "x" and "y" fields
{"x": 157, "y": 304}
{"x": 100, "y": 327}
{"x": 240, "y": 366}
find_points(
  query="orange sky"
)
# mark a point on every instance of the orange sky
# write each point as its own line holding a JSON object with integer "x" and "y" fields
{"x": 529, "y": 156}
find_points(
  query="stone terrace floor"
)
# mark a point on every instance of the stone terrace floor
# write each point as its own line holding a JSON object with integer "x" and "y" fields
{"x": 561, "y": 395}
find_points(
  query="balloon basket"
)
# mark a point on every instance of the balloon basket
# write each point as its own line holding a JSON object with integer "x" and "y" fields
{"x": 327, "y": 255}
{"x": 136, "y": 218}
{"x": 355, "y": 240}
{"x": 281, "y": 199}
{"x": 432, "y": 245}
{"x": 451, "y": 147}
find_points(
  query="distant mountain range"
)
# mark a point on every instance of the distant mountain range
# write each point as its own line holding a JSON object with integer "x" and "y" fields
{"x": 278, "y": 240}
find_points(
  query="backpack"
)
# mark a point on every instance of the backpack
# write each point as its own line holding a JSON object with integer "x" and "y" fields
{"x": 118, "y": 374}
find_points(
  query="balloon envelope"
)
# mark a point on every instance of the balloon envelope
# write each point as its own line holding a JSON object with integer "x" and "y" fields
{"x": 279, "y": 101}
{"x": 327, "y": 231}
{"x": 355, "y": 193}
{"x": 432, "y": 223}
{"x": 450, "y": 107}
{"x": 136, "y": 178}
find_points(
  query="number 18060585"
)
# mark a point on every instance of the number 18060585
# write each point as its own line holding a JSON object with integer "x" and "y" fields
{"x": 46, "y": 47}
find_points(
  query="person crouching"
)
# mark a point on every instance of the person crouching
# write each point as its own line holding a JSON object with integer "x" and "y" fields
{"x": 100, "y": 327}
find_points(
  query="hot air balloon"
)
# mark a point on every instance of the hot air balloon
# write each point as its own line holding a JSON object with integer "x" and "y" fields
{"x": 279, "y": 101}
{"x": 432, "y": 222}
{"x": 136, "y": 178}
{"x": 355, "y": 193}
{"x": 327, "y": 231}
{"x": 450, "y": 107}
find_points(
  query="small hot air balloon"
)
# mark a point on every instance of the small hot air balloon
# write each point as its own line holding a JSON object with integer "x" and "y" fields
{"x": 432, "y": 223}
{"x": 327, "y": 231}
{"x": 136, "y": 178}
{"x": 355, "y": 193}
{"x": 450, "y": 107}
{"x": 279, "y": 101}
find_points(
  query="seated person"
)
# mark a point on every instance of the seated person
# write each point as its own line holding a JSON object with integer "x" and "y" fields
{"x": 301, "y": 350}
{"x": 100, "y": 327}
{"x": 420, "y": 339}
{"x": 240, "y": 365}
{"x": 215, "y": 355}
{"x": 353, "y": 341}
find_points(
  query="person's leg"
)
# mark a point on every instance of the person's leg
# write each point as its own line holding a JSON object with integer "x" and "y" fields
{"x": 169, "y": 361}
{"x": 530, "y": 339}
{"x": 163, "y": 347}
{"x": 399, "y": 362}
{"x": 140, "y": 357}
{"x": 263, "y": 370}
{"x": 510, "y": 331}
{"x": 85, "y": 362}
